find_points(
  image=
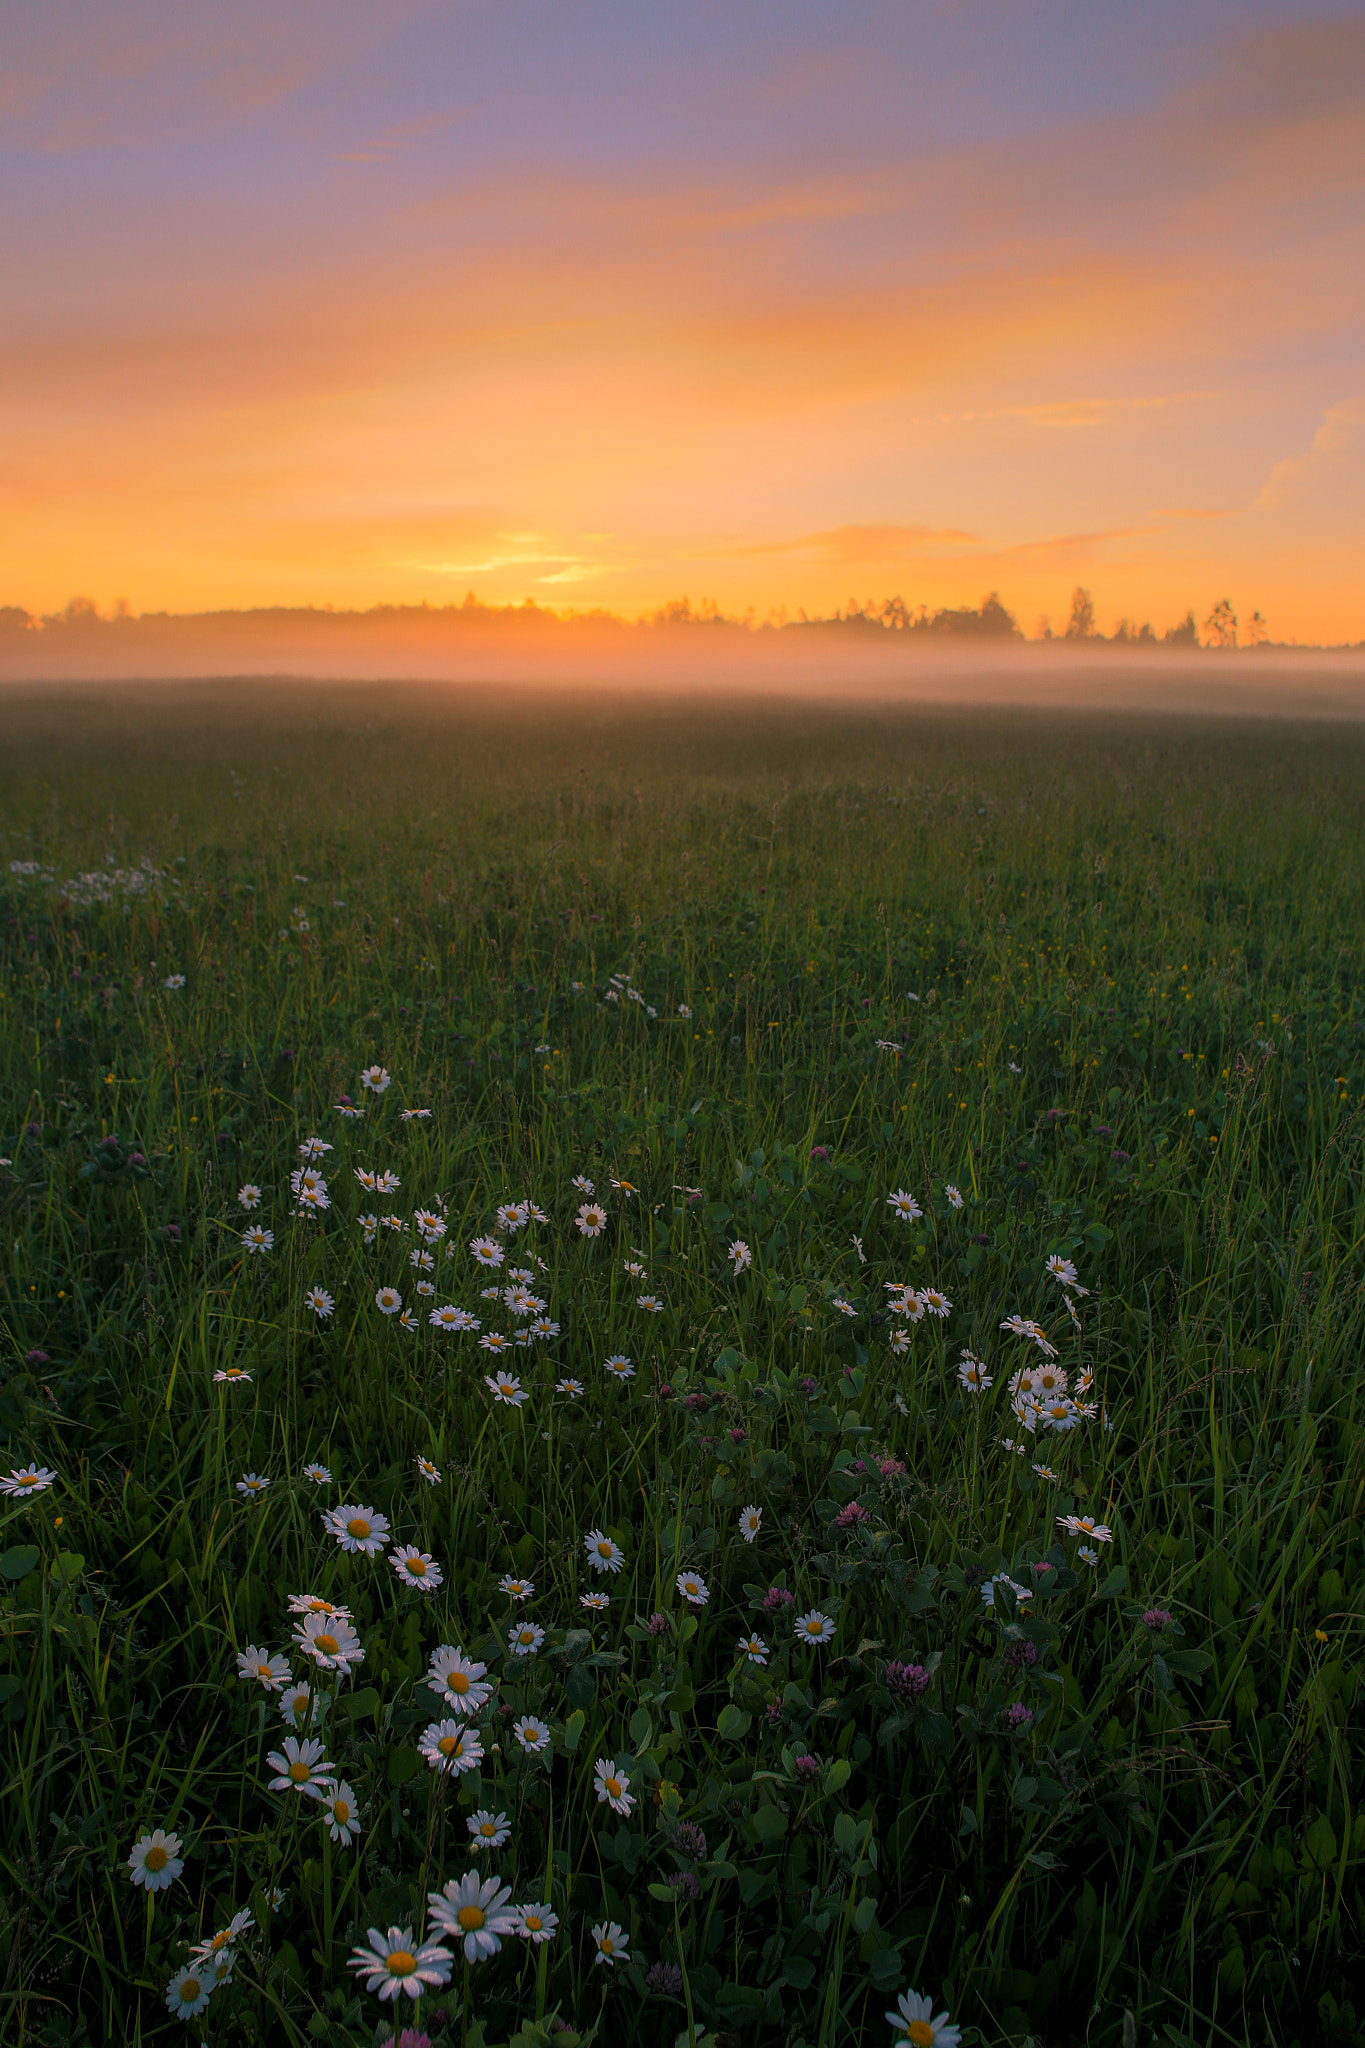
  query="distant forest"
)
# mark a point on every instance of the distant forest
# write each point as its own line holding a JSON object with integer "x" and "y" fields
{"x": 80, "y": 628}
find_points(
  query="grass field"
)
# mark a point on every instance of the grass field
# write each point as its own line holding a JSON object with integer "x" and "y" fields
{"x": 1083, "y": 990}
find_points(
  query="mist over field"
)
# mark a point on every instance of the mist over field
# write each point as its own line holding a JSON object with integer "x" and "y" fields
{"x": 844, "y": 660}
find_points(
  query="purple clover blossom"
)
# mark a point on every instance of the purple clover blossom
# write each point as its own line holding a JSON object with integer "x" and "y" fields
{"x": 906, "y": 1681}
{"x": 1019, "y": 1656}
{"x": 1156, "y": 1619}
{"x": 806, "y": 1769}
{"x": 776, "y": 1598}
{"x": 657, "y": 1624}
{"x": 689, "y": 1840}
{"x": 686, "y": 1884}
{"x": 808, "y": 1385}
{"x": 851, "y": 1516}
{"x": 664, "y": 1980}
{"x": 819, "y": 1151}
{"x": 1018, "y": 1718}
{"x": 35, "y": 1357}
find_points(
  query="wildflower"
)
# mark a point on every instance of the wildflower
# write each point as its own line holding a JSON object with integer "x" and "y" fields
{"x": 376, "y": 1079}
{"x": 900, "y": 1342}
{"x": 750, "y": 1522}
{"x": 226, "y": 1938}
{"x": 320, "y": 1301}
{"x": 317, "y": 1603}
{"x": 1085, "y": 1525}
{"x": 621, "y": 1366}
{"x": 174, "y": 981}
{"x": 627, "y": 1187}
{"x": 754, "y": 1648}
{"x": 693, "y": 1589}
{"x": 1049, "y": 1381}
{"x": 388, "y": 1301}
{"x": 906, "y": 1207}
{"x": 420, "y": 1261}
{"x": 458, "y": 1680}
{"x": 972, "y": 1374}
{"x": 512, "y": 1215}
{"x": 473, "y": 1912}
{"x": 776, "y": 1599}
{"x": 850, "y": 1516}
{"x": 650, "y": 1302}
{"x": 430, "y": 1226}
{"x": 657, "y": 1625}
{"x": 525, "y": 1640}
{"x": 740, "y": 1256}
{"x": 426, "y": 1470}
{"x": 598, "y": 1602}
{"x": 610, "y": 1944}
{"x": 516, "y": 1589}
{"x": 906, "y": 1681}
{"x": 1061, "y": 1415}
{"x": 542, "y": 1329}
{"x": 954, "y": 1195}
{"x": 573, "y": 1388}
{"x": 369, "y": 1223}
{"x": 342, "y": 1814}
{"x": 258, "y": 1239}
{"x": 302, "y": 1768}
{"x": 536, "y": 1922}
{"x": 384, "y": 1184}
{"x": 487, "y": 1251}
{"x": 365, "y": 1175}
{"x": 188, "y": 1992}
{"x": 917, "y": 2023}
{"x": 155, "y": 1862}
{"x": 448, "y": 1317}
{"x": 1062, "y": 1270}
{"x": 414, "y": 1115}
{"x": 489, "y": 1830}
{"x": 603, "y": 1554}
{"x": 252, "y": 1485}
{"x": 249, "y": 1196}
{"x": 447, "y": 1746}
{"x": 1156, "y": 1619}
{"x": 27, "y": 1479}
{"x": 358, "y": 1529}
{"x": 935, "y": 1303}
{"x": 583, "y": 1184}
{"x": 1046, "y": 1472}
{"x": 1018, "y": 1718}
{"x": 1087, "y": 1555}
{"x": 806, "y": 1769}
{"x": 533, "y": 1735}
{"x": 814, "y": 1627}
{"x": 349, "y": 1109}
{"x": 507, "y": 1388}
{"x": 271, "y": 1672}
{"x": 845, "y": 1308}
{"x": 408, "y": 1321}
{"x": 612, "y": 1786}
{"x": 416, "y": 1568}
{"x": 394, "y": 1962}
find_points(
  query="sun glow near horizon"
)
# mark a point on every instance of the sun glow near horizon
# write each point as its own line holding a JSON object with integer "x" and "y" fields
{"x": 328, "y": 311}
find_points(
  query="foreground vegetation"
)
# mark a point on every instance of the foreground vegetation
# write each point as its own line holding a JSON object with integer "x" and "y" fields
{"x": 1049, "y": 1709}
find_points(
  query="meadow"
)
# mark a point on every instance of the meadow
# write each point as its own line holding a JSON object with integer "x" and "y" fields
{"x": 733, "y": 1331}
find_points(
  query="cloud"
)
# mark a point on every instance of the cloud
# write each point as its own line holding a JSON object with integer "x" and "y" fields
{"x": 837, "y": 545}
{"x": 1336, "y": 431}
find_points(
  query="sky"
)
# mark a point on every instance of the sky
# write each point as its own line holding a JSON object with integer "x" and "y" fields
{"x": 778, "y": 305}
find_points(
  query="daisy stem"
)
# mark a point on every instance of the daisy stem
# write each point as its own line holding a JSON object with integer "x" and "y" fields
{"x": 326, "y": 1897}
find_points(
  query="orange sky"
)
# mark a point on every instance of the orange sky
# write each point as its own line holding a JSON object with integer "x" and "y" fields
{"x": 304, "y": 305}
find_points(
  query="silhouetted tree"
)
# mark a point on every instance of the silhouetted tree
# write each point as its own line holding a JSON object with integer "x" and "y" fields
{"x": 1186, "y": 634}
{"x": 1257, "y": 631}
{"x": 1081, "y": 624}
{"x": 1221, "y": 625}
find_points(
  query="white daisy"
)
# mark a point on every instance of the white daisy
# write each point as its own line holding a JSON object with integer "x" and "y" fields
{"x": 394, "y": 1961}
{"x": 388, "y": 1301}
{"x": 750, "y": 1522}
{"x": 458, "y": 1680}
{"x": 452, "y": 1747}
{"x": 342, "y": 1814}
{"x": 536, "y": 1922}
{"x": 814, "y": 1627}
{"x": 612, "y": 1786}
{"x": 257, "y": 1239}
{"x": 249, "y": 1196}
{"x": 597, "y": 1602}
{"x": 906, "y": 1207}
{"x": 331, "y": 1644}
{"x": 525, "y": 1639}
{"x": 917, "y": 2023}
{"x": 693, "y": 1588}
{"x": 27, "y": 1479}
{"x": 611, "y": 1943}
{"x": 302, "y": 1768}
{"x": 620, "y": 1366}
{"x": 188, "y": 1991}
{"x": 320, "y": 1301}
{"x": 488, "y": 1830}
{"x": 516, "y": 1589}
{"x": 533, "y": 1735}
{"x": 271, "y": 1672}
{"x": 376, "y": 1079}
{"x": 252, "y": 1485}
{"x": 415, "y": 1568}
{"x": 603, "y": 1554}
{"x": 754, "y": 1648}
{"x": 319, "y": 1475}
{"x": 155, "y": 1861}
{"x": 360, "y": 1530}
{"x": 474, "y": 1912}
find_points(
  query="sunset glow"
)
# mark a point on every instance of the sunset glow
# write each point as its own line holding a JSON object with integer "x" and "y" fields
{"x": 600, "y": 305}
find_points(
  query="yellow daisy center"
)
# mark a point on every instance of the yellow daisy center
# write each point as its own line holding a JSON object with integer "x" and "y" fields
{"x": 921, "y": 2034}
{"x": 812, "y": 1628}
{"x": 341, "y": 1810}
{"x": 606, "y": 1945}
{"x": 487, "y": 1829}
{"x": 532, "y": 1922}
{"x": 401, "y": 1962}
{"x": 457, "y": 1681}
{"x": 358, "y": 1527}
{"x": 449, "y": 1745}
{"x": 604, "y": 1550}
{"x": 300, "y": 1772}
{"x": 327, "y": 1644}
{"x": 416, "y": 1567}
{"x": 471, "y": 1918}
{"x": 220, "y": 1940}
{"x": 613, "y": 1786}
{"x": 190, "y": 1988}
{"x": 263, "y": 1671}
{"x": 156, "y": 1858}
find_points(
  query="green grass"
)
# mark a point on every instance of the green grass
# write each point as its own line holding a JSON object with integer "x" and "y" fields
{"x": 1137, "y": 1044}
